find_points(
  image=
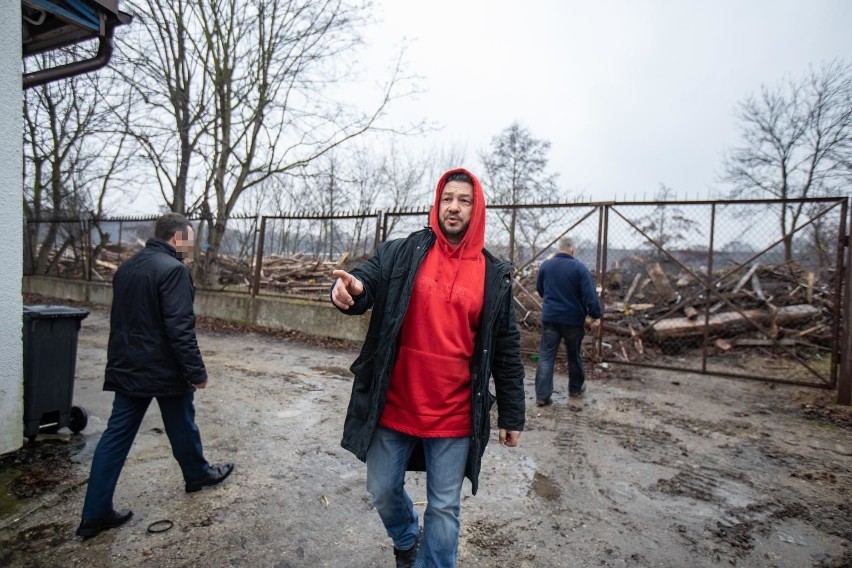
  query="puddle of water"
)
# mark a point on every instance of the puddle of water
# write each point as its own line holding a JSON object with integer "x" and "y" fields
{"x": 545, "y": 488}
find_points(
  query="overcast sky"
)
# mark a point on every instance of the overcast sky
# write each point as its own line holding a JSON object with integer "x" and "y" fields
{"x": 630, "y": 93}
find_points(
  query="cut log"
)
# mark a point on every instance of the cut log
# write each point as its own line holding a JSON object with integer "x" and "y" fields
{"x": 632, "y": 288}
{"x": 729, "y": 323}
{"x": 661, "y": 282}
{"x": 616, "y": 329}
{"x": 104, "y": 264}
{"x": 690, "y": 312}
{"x": 811, "y": 281}
{"x": 757, "y": 342}
{"x": 758, "y": 289}
{"x": 621, "y": 307}
{"x": 637, "y": 341}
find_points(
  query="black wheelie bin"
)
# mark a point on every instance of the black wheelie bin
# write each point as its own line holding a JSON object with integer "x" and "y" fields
{"x": 50, "y": 361}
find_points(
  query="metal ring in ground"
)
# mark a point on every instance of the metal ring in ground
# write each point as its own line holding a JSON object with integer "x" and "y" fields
{"x": 160, "y": 526}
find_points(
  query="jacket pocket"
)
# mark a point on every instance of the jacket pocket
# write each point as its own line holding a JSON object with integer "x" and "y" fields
{"x": 362, "y": 385}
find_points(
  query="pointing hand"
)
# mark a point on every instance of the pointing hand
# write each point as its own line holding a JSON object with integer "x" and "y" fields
{"x": 345, "y": 288}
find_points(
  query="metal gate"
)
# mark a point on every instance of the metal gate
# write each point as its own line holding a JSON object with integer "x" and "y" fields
{"x": 736, "y": 288}
{"x": 746, "y": 289}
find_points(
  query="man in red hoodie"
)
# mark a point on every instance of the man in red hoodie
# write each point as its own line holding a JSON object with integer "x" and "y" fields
{"x": 442, "y": 325}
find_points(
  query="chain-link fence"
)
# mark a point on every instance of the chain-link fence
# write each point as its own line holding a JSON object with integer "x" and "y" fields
{"x": 735, "y": 288}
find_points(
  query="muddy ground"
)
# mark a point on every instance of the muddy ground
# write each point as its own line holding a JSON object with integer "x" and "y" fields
{"x": 648, "y": 469}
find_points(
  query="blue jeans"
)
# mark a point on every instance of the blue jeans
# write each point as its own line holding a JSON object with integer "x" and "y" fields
{"x": 127, "y": 413}
{"x": 445, "y": 464}
{"x": 552, "y": 334}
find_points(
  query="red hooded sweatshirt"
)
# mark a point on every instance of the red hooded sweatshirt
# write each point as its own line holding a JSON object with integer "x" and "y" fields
{"x": 429, "y": 392}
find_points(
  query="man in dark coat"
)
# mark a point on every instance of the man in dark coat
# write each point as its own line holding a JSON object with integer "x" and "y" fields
{"x": 152, "y": 353}
{"x": 569, "y": 298}
{"x": 442, "y": 324}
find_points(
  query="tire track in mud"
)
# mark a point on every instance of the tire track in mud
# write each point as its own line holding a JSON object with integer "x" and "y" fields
{"x": 569, "y": 436}
{"x": 560, "y": 517}
{"x": 734, "y": 485}
{"x": 581, "y": 492}
{"x": 807, "y": 490}
{"x": 729, "y": 498}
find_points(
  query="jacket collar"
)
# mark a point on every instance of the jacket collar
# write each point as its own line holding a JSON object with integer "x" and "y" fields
{"x": 163, "y": 246}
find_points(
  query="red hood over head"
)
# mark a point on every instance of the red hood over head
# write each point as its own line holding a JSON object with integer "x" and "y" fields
{"x": 474, "y": 239}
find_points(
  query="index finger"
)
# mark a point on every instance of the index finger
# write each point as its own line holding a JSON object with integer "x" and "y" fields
{"x": 342, "y": 274}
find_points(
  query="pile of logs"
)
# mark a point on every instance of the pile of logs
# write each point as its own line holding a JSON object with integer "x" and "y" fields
{"x": 645, "y": 302}
{"x": 110, "y": 257}
{"x": 298, "y": 275}
{"x": 757, "y": 305}
{"x": 72, "y": 264}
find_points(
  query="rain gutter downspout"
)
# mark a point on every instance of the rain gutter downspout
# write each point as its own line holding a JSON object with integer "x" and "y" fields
{"x": 101, "y": 59}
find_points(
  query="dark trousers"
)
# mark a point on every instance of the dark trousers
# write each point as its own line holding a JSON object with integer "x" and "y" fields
{"x": 552, "y": 334}
{"x": 127, "y": 413}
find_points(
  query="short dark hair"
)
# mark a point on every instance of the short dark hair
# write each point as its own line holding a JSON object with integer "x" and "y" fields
{"x": 169, "y": 224}
{"x": 459, "y": 176}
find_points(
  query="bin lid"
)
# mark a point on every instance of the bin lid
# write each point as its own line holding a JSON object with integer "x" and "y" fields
{"x": 41, "y": 311}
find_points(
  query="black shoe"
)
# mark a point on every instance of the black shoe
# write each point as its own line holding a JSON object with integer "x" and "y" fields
{"x": 405, "y": 558}
{"x": 91, "y": 527}
{"x": 543, "y": 401}
{"x": 579, "y": 392}
{"x": 214, "y": 476}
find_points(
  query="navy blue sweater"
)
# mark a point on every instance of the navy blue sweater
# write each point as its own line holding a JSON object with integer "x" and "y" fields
{"x": 568, "y": 291}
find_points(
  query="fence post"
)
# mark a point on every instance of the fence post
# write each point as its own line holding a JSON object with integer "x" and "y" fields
{"x": 708, "y": 287}
{"x": 844, "y": 384}
{"x": 120, "y": 229}
{"x": 601, "y": 266}
{"x": 87, "y": 246}
{"x": 379, "y": 221}
{"x": 259, "y": 258}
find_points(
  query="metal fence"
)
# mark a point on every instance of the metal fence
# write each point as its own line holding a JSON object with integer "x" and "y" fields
{"x": 716, "y": 287}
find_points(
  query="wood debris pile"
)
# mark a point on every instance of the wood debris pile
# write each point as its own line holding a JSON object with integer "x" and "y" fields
{"x": 649, "y": 305}
{"x": 71, "y": 264}
{"x": 297, "y": 274}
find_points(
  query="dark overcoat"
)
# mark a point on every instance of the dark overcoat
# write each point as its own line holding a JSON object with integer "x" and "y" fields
{"x": 152, "y": 348}
{"x": 388, "y": 278}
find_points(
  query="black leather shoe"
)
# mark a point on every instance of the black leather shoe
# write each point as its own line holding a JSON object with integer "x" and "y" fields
{"x": 214, "y": 476}
{"x": 91, "y": 527}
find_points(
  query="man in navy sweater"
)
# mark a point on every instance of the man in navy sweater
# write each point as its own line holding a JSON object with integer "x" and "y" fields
{"x": 569, "y": 297}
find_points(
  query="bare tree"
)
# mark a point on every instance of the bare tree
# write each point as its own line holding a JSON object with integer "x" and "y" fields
{"x": 235, "y": 94}
{"x": 796, "y": 143}
{"x": 667, "y": 224}
{"x": 516, "y": 173}
{"x": 73, "y": 156}
{"x": 162, "y": 58}
{"x": 270, "y": 64}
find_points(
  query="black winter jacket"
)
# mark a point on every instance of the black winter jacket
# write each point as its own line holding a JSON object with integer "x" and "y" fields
{"x": 152, "y": 346}
{"x": 388, "y": 279}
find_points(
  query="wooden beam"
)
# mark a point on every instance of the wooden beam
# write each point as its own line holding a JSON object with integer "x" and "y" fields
{"x": 661, "y": 282}
{"x": 730, "y": 322}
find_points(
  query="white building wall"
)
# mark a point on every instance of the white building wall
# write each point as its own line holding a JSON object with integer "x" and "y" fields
{"x": 11, "y": 233}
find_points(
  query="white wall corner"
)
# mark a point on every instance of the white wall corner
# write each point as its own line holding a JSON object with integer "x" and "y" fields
{"x": 11, "y": 229}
